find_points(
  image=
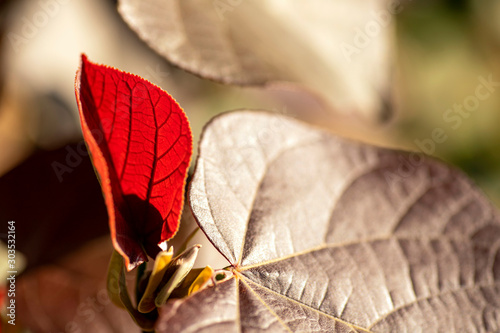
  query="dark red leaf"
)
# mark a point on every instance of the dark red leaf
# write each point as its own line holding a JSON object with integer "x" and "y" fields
{"x": 70, "y": 295}
{"x": 54, "y": 199}
{"x": 141, "y": 146}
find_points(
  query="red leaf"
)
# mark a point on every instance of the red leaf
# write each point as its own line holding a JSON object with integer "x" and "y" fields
{"x": 141, "y": 145}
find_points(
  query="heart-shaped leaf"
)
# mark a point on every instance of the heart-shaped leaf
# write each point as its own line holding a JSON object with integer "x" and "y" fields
{"x": 141, "y": 145}
{"x": 324, "y": 234}
{"x": 339, "y": 49}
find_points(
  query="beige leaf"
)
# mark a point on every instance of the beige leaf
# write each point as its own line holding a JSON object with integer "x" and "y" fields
{"x": 325, "y": 234}
{"x": 342, "y": 50}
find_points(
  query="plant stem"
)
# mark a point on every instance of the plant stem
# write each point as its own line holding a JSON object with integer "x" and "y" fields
{"x": 140, "y": 273}
{"x": 188, "y": 239}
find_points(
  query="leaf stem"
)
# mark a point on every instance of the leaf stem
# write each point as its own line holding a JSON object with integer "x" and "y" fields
{"x": 140, "y": 273}
{"x": 188, "y": 239}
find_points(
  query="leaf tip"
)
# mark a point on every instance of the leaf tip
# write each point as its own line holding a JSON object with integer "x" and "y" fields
{"x": 131, "y": 265}
{"x": 163, "y": 245}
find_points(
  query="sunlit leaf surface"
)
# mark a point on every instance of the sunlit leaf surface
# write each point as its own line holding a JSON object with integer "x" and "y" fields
{"x": 340, "y": 50}
{"x": 141, "y": 145}
{"x": 324, "y": 234}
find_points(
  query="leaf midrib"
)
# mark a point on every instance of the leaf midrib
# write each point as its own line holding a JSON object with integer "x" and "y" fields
{"x": 324, "y": 246}
{"x": 248, "y": 282}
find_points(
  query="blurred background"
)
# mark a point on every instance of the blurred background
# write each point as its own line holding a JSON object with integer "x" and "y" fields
{"x": 440, "y": 53}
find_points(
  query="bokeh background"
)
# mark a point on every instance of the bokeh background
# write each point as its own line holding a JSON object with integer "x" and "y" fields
{"x": 440, "y": 50}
